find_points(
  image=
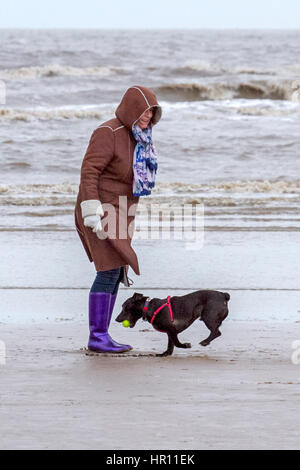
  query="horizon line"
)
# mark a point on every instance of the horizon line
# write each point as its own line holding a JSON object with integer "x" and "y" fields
{"x": 176, "y": 28}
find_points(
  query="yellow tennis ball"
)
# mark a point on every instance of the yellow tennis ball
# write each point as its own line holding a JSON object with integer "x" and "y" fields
{"x": 126, "y": 323}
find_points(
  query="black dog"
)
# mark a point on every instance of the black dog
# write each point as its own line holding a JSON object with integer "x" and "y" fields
{"x": 210, "y": 306}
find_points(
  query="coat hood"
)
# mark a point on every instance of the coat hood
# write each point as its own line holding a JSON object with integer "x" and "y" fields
{"x": 136, "y": 100}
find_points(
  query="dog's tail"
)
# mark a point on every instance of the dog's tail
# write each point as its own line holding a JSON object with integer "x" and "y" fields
{"x": 227, "y": 296}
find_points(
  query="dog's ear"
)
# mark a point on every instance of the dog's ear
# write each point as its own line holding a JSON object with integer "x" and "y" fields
{"x": 136, "y": 295}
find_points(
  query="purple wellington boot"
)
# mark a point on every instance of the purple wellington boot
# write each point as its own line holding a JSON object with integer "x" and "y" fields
{"x": 112, "y": 303}
{"x": 99, "y": 313}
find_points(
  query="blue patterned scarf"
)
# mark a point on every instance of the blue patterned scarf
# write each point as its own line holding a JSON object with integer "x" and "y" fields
{"x": 144, "y": 162}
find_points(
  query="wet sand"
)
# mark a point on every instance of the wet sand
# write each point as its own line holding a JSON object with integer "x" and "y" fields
{"x": 241, "y": 392}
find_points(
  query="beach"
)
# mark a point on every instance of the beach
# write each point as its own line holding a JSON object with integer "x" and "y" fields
{"x": 228, "y": 144}
{"x": 241, "y": 392}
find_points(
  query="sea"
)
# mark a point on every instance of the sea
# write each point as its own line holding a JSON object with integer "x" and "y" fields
{"x": 229, "y": 136}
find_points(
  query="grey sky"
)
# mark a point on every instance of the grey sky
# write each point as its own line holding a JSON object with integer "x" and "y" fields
{"x": 150, "y": 14}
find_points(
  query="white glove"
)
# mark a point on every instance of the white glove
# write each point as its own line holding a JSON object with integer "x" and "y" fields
{"x": 94, "y": 222}
{"x": 91, "y": 212}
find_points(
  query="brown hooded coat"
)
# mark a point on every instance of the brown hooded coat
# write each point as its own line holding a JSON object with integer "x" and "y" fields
{"x": 106, "y": 174}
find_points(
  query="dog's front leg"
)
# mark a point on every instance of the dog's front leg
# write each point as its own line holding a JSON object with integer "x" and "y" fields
{"x": 177, "y": 343}
{"x": 170, "y": 349}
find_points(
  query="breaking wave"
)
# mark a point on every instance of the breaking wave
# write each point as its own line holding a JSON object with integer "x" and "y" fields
{"x": 56, "y": 70}
{"x": 258, "y": 89}
{"x": 266, "y": 111}
{"x": 74, "y": 112}
{"x": 63, "y": 188}
{"x": 38, "y": 194}
{"x": 255, "y": 186}
{"x": 220, "y": 193}
{"x": 205, "y": 69}
{"x": 190, "y": 68}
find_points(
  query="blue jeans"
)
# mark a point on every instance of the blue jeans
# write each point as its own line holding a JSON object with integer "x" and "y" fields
{"x": 107, "y": 281}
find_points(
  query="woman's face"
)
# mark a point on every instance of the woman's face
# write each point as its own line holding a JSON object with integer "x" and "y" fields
{"x": 145, "y": 118}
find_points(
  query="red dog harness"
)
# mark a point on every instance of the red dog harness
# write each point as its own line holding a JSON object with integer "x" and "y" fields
{"x": 168, "y": 303}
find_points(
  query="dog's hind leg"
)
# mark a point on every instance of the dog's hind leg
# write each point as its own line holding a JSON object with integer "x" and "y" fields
{"x": 214, "y": 334}
{"x": 170, "y": 349}
{"x": 213, "y": 321}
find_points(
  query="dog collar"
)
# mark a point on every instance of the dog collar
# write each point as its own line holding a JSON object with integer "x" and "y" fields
{"x": 145, "y": 308}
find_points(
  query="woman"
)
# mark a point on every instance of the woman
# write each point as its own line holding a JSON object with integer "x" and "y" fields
{"x": 120, "y": 161}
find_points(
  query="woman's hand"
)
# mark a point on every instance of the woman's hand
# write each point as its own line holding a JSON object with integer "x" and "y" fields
{"x": 94, "y": 222}
{"x": 91, "y": 212}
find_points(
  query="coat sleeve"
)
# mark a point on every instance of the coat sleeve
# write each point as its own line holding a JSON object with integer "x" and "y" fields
{"x": 99, "y": 153}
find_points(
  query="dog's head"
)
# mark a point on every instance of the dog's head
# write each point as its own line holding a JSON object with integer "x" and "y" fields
{"x": 132, "y": 309}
